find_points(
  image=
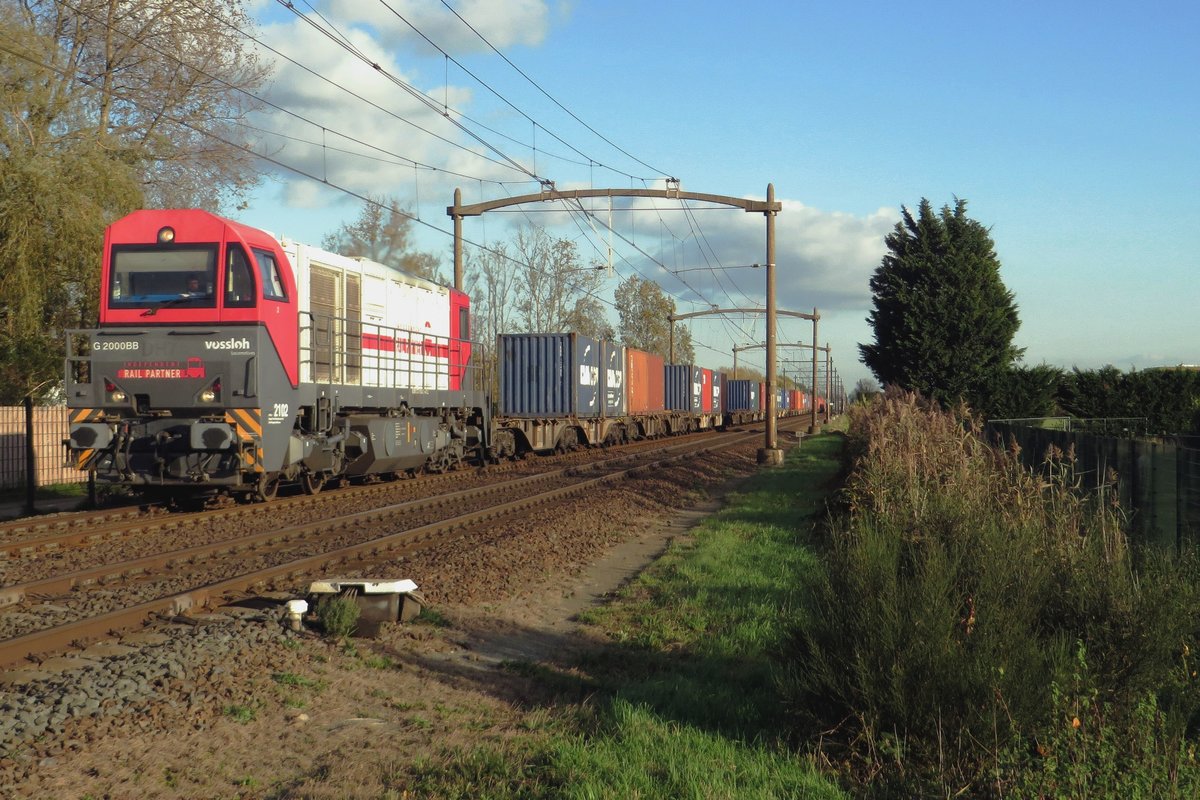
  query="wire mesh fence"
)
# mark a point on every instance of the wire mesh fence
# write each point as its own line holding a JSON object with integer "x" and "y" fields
{"x": 1156, "y": 480}
{"x": 44, "y": 427}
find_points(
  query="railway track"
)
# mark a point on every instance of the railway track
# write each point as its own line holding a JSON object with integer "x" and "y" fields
{"x": 31, "y": 550}
{"x": 24, "y": 541}
{"x": 95, "y": 601}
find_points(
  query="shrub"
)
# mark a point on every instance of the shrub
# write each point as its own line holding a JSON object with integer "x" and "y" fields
{"x": 955, "y": 589}
{"x": 1090, "y": 747}
{"x": 338, "y": 615}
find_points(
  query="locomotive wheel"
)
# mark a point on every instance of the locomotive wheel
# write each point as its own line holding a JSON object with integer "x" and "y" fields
{"x": 312, "y": 482}
{"x": 268, "y": 487}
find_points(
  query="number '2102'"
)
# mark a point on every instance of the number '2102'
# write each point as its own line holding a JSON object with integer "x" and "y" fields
{"x": 281, "y": 410}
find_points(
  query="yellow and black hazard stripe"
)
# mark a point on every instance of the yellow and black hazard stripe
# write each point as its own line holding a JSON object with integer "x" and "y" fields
{"x": 80, "y": 459}
{"x": 248, "y": 422}
{"x": 80, "y": 415}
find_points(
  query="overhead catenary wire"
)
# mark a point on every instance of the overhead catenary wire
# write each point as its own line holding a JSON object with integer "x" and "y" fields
{"x": 336, "y": 37}
{"x": 415, "y": 164}
{"x": 334, "y": 34}
{"x": 552, "y": 99}
{"x": 343, "y": 41}
{"x": 482, "y": 82}
{"x": 322, "y": 126}
{"x": 283, "y": 165}
{"x": 299, "y": 171}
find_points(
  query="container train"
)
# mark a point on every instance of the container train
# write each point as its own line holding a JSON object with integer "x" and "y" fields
{"x": 229, "y": 360}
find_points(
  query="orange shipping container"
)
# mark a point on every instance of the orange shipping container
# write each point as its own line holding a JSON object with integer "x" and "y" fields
{"x": 644, "y": 379}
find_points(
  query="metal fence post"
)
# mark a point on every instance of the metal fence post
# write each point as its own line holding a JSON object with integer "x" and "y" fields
{"x": 30, "y": 461}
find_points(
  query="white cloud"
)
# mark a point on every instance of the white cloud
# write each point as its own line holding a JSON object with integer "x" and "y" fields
{"x": 363, "y": 131}
{"x": 823, "y": 259}
{"x": 304, "y": 194}
{"x": 504, "y": 24}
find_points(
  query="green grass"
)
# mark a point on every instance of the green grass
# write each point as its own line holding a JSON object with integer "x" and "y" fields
{"x": 705, "y": 620}
{"x": 51, "y": 491}
{"x": 640, "y": 753}
{"x": 292, "y": 679}
{"x": 242, "y": 714}
{"x": 682, "y": 703}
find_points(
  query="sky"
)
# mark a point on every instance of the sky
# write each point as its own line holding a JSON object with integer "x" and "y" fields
{"x": 1070, "y": 129}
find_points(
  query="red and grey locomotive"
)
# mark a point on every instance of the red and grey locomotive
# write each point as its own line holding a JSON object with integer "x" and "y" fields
{"x": 226, "y": 358}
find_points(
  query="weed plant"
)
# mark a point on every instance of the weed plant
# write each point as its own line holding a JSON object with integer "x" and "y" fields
{"x": 338, "y": 615}
{"x": 975, "y": 617}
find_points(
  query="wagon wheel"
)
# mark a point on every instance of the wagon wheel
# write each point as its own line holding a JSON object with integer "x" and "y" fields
{"x": 268, "y": 487}
{"x": 312, "y": 482}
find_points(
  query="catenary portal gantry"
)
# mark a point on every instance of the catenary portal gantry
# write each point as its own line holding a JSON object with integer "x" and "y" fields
{"x": 768, "y": 208}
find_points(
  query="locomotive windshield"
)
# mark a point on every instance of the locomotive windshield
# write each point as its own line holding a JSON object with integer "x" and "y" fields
{"x": 152, "y": 276}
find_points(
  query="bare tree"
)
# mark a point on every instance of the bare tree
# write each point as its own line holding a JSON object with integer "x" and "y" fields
{"x": 864, "y": 390}
{"x": 553, "y": 279}
{"x": 491, "y": 281}
{"x": 161, "y": 84}
{"x": 383, "y": 232}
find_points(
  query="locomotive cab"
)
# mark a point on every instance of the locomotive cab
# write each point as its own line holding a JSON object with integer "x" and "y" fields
{"x": 187, "y": 268}
{"x": 198, "y": 323}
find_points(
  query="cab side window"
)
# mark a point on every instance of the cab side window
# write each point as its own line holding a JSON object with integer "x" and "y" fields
{"x": 239, "y": 280}
{"x": 268, "y": 272}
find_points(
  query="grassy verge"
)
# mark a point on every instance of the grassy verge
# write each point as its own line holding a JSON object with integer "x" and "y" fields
{"x": 683, "y": 703}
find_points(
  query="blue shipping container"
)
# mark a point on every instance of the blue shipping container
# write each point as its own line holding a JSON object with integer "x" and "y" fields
{"x": 613, "y": 377}
{"x": 682, "y": 384}
{"x": 718, "y": 392}
{"x": 549, "y": 375}
{"x": 741, "y": 396}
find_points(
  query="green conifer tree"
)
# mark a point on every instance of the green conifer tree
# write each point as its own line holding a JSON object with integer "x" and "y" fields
{"x": 943, "y": 320}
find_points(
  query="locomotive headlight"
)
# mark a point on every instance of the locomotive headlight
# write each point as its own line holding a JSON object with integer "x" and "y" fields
{"x": 208, "y": 396}
{"x": 166, "y": 235}
{"x": 117, "y": 396}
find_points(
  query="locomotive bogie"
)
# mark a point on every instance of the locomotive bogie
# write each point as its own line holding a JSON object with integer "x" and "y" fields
{"x": 402, "y": 444}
